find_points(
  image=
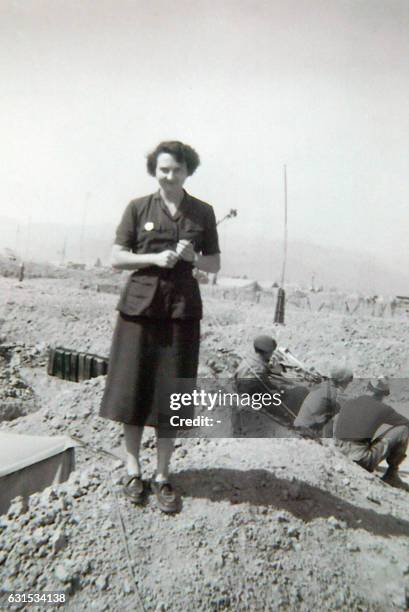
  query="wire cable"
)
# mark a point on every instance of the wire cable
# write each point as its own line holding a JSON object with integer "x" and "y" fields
{"x": 122, "y": 529}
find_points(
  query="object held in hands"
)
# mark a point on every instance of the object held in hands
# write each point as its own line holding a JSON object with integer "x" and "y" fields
{"x": 185, "y": 250}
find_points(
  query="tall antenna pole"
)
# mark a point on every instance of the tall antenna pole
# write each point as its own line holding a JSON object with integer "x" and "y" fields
{"x": 280, "y": 305}
{"x": 285, "y": 229}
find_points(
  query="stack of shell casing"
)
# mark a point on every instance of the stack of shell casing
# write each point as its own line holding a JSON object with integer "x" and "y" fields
{"x": 72, "y": 365}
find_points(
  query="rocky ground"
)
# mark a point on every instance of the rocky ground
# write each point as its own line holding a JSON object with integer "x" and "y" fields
{"x": 266, "y": 524}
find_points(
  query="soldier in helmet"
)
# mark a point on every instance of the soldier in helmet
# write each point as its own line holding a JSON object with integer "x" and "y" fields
{"x": 252, "y": 375}
{"x": 356, "y": 427}
{"x": 262, "y": 373}
{"x": 321, "y": 404}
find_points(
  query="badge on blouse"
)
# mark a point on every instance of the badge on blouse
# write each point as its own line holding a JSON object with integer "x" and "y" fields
{"x": 149, "y": 226}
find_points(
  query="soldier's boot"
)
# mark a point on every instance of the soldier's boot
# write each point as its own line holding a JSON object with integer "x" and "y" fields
{"x": 392, "y": 478}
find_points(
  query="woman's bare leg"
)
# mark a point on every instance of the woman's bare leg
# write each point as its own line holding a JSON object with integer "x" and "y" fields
{"x": 133, "y": 437}
{"x": 164, "y": 448}
{"x": 167, "y": 499}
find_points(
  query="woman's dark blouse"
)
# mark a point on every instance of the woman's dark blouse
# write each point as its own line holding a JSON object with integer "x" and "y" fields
{"x": 148, "y": 227}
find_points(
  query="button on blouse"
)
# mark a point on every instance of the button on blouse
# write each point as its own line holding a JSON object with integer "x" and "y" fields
{"x": 148, "y": 227}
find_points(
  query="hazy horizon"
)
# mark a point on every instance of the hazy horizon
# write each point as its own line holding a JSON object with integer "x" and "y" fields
{"x": 322, "y": 86}
{"x": 344, "y": 268}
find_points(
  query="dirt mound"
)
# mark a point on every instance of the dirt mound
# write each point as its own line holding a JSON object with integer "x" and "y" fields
{"x": 287, "y": 523}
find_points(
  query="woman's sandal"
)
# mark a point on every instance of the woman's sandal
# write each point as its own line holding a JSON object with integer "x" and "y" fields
{"x": 134, "y": 489}
{"x": 167, "y": 499}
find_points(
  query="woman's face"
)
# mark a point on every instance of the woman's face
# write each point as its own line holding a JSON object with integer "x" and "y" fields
{"x": 170, "y": 174}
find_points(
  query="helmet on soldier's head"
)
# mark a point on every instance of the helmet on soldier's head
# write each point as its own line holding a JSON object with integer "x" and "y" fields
{"x": 379, "y": 386}
{"x": 266, "y": 344}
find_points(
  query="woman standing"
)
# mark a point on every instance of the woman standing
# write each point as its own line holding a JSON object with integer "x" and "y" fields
{"x": 161, "y": 237}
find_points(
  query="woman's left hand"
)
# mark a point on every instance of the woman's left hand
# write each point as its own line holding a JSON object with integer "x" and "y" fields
{"x": 185, "y": 250}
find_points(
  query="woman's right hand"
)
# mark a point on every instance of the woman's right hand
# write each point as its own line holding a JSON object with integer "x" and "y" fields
{"x": 166, "y": 259}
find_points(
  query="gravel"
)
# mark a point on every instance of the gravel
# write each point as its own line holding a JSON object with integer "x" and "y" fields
{"x": 268, "y": 520}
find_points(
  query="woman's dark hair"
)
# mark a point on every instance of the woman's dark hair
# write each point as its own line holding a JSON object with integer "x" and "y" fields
{"x": 181, "y": 152}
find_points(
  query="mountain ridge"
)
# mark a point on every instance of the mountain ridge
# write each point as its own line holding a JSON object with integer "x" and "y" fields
{"x": 257, "y": 258}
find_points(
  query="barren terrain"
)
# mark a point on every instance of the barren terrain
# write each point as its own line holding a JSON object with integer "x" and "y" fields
{"x": 266, "y": 524}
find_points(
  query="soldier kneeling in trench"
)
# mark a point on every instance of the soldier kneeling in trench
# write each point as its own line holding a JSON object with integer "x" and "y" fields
{"x": 260, "y": 373}
{"x": 357, "y": 424}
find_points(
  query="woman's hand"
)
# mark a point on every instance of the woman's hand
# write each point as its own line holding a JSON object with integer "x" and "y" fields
{"x": 166, "y": 259}
{"x": 185, "y": 250}
{"x": 207, "y": 263}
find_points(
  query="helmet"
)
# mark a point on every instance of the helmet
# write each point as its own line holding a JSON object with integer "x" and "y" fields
{"x": 266, "y": 344}
{"x": 379, "y": 386}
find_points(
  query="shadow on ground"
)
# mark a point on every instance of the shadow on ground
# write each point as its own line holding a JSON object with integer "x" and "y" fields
{"x": 304, "y": 501}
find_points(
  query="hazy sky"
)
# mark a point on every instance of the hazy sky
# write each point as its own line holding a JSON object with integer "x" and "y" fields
{"x": 88, "y": 88}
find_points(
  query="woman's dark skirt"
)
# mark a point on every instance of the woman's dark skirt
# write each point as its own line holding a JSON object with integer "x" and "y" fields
{"x": 148, "y": 359}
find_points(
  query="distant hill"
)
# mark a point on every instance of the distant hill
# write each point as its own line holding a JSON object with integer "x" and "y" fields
{"x": 259, "y": 257}
{"x": 331, "y": 267}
